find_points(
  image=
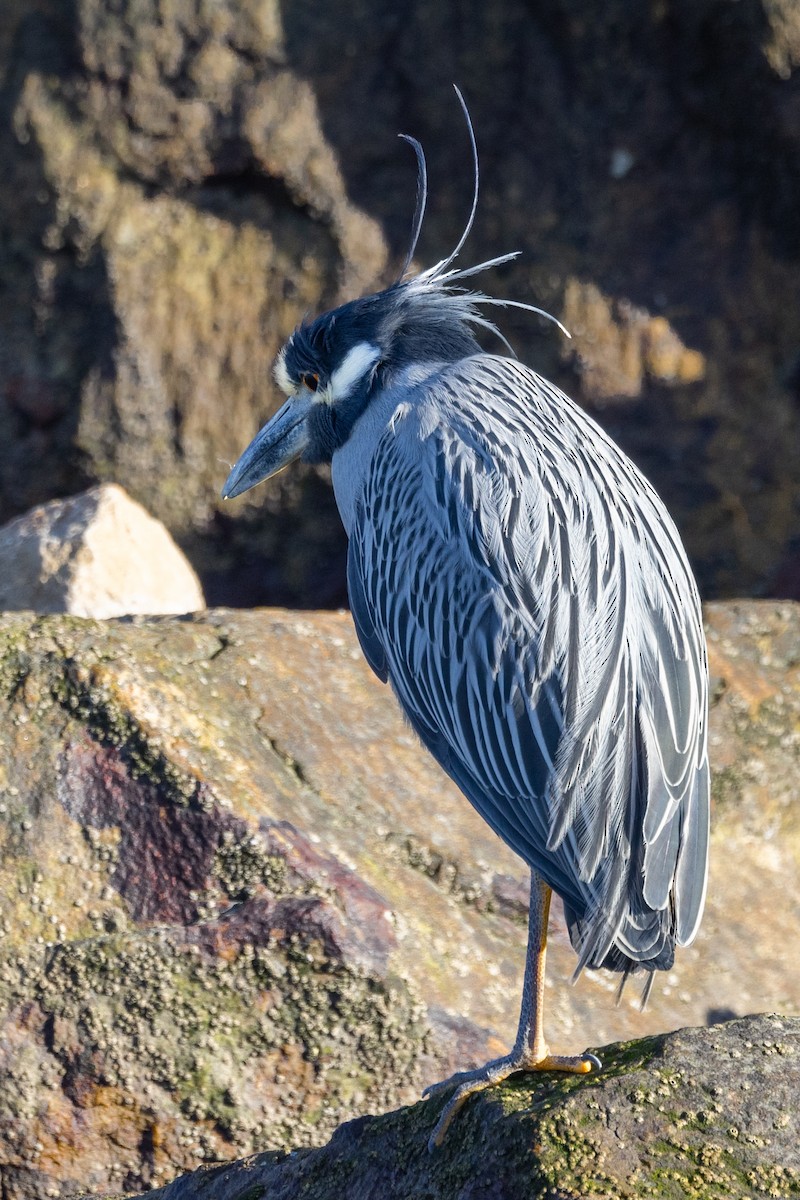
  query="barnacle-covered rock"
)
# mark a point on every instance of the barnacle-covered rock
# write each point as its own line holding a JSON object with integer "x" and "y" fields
{"x": 239, "y": 904}
{"x": 692, "y": 1114}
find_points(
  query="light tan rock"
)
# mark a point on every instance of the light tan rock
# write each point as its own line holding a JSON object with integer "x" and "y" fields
{"x": 99, "y": 554}
{"x": 616, "y": 346}
{"x": 240, "y": 904}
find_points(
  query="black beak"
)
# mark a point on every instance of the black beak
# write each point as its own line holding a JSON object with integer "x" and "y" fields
{"x": 281, "y": 441}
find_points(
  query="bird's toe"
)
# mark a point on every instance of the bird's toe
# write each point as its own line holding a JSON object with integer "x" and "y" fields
{"x": 456, "y": 1101}
{"x": 579, "y": 1064}
{"x": 467, "y": 1083}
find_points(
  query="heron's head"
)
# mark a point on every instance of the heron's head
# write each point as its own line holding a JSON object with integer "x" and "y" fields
{"x": 332, "y": 367}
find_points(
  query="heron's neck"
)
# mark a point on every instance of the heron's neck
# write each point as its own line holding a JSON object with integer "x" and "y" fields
{"x": 351, "y": 461}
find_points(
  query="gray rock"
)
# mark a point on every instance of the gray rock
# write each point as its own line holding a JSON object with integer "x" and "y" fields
{"x": 694, "y": 1114}
{"x": 98, "y": 554}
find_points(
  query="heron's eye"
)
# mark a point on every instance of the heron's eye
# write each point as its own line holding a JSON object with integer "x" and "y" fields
{"x": 310, "y": 380}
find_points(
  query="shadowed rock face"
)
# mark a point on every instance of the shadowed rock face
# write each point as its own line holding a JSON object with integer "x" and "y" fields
{"x": 240, "y": 905}
{"x": 698, "y": 1113}
{"x": 185, "y": 182}
{"x": 173, "y": 210}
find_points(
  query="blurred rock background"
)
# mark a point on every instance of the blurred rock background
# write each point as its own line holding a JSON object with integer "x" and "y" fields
{"x": 183, "y": 180}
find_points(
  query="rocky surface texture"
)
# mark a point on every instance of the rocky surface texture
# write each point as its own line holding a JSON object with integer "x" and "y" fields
{"x": 172, "y": 210}
{"x": 696, "y": 1114}
{"x": 183, "y": 181}
{"x": 240, "y": 905}
{"x": 98, "y": 554}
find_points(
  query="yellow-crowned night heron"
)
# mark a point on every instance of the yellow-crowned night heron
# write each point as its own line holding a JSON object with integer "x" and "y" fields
{"x": 523, "y": 589}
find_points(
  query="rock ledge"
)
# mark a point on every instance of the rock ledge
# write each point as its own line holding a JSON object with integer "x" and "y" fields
{"x": 696, "y": 1113}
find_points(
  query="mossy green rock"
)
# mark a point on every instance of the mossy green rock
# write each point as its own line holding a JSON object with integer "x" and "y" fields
{"x": 177, "y": 982}
{"x": 240, "y": 905}
{"x": 694, "y": 1115}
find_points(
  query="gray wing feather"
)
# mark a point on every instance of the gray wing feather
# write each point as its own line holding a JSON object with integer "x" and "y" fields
{"x": 368, "y": 637}
{"x": 528, "y": 597}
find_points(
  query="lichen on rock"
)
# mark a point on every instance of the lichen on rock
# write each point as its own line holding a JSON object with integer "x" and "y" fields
{"x": 676, "y": 1116}
{"x": 237, "y": 909}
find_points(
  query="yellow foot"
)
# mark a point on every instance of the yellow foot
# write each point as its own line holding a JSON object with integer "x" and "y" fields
{"x": 469, "y": 1082}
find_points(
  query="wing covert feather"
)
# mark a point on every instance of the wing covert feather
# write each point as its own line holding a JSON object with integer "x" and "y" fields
{"x": 527, "y": 595}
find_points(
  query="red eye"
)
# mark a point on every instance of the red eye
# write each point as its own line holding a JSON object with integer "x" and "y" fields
{"x": 310, "y": 380}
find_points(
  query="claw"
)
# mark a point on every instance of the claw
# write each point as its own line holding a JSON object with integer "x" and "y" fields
{"x": 433, "y": 1088}
{"x": 593, "y": 1059}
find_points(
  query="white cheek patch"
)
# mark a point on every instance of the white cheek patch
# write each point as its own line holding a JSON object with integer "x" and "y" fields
{"x": 351, "y": 370}
{"x": 282, "y": 375}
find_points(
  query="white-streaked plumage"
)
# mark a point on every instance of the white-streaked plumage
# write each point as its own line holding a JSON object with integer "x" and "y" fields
{"x": 523, "y": 589}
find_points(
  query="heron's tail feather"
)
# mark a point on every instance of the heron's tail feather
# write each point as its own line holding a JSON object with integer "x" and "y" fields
{"x": 643, "y": 941}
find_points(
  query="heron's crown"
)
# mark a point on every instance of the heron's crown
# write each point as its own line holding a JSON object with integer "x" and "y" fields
{"x": 428, "y": 317}
{"x": 415, "y": 320}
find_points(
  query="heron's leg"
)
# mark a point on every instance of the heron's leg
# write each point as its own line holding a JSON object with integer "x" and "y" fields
{"x": 530, "y": 1052}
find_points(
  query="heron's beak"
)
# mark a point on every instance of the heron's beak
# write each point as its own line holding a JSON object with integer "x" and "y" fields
{"x": 281, "y": 441}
